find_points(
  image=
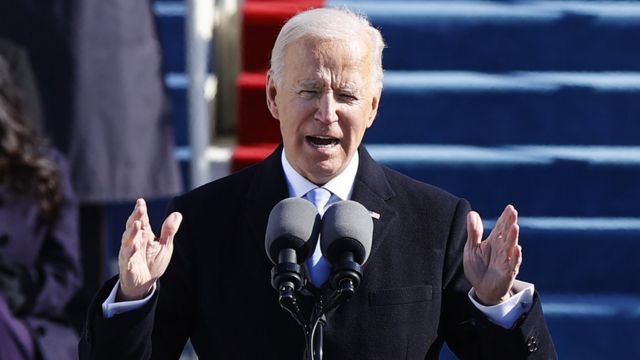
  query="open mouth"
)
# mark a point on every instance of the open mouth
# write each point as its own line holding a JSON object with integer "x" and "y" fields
{"x": 322, "y": 141}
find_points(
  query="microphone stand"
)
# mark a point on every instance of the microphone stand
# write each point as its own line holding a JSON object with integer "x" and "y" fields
{"x": 286, "y": 278}
{"x": 346, "y": 276}
{"x": 313, "y": 327}
{"x": 318, "y": 336}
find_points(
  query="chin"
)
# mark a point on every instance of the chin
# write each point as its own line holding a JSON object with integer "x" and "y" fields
{"x": 327, "y": 174}
{"x": 320, "y": 173}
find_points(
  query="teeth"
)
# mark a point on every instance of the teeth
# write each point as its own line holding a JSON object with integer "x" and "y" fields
{"x": 322, "y": 140}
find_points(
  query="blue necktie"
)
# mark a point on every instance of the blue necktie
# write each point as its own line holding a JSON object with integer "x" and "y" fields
{"x": 317, "y": 264}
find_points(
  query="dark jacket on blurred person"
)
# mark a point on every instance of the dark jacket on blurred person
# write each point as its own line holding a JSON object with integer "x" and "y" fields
{"x": 40, "y": 265}
{"x": 39, "y": 250}
{"x": 121, "y": 142}
{"x": 99, "y": 70}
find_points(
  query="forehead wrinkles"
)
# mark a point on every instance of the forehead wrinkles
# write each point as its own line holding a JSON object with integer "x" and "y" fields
{"x": 343, "y": 63}
{"x": 339, "y": 54}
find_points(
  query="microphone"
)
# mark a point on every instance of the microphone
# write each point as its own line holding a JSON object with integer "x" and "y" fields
{"x": 346, "y": 236}
{"x": 291, "y": 237}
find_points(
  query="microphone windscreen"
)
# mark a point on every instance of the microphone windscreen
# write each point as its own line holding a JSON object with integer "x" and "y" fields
{"x": 294, "y": 223}
{"x": 346, "y": 227}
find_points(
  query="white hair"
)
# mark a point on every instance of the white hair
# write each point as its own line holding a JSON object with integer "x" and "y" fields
{"x": 328, "y": 24}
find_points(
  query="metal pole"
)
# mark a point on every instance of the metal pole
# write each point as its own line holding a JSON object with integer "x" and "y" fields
{"x": 198, "y": 32}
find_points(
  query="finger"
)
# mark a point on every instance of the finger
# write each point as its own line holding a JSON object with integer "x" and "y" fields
{"x": 474, "y": 229}
{"x": 139, "y": 213}
{"x": 504, "y": 222}
{"x": 516, "y": 260}
{"x": 129, "y": 227}
{"x": 130, "y": 233}
{"x": 146, "y": 235}
{"x": 511, "y": 217}
{"x": 506, "y": 244}
{"x": 513, "y": 234}
{"x": 138, "y": 235}
{"x": 170, "y": 228}
{"x": 143, "y": 213}
{"x": 127, "y": 246}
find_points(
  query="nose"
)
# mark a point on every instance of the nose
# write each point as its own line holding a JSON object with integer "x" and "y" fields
{"x": 327, "y": 111}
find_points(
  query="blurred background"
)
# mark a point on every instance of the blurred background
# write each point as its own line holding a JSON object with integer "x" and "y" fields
{"x": 533, "y": 103}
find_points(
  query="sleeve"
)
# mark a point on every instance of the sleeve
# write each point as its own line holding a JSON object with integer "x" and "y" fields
{"x": 469, "y": 333}
{"x": 507, "y": 313}
{"x": 111, "y": 308}
{"x": 157, "y": 329}
{"x": 124, "y": 336}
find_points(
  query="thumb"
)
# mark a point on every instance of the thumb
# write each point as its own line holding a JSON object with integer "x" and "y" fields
{"x": 474, "y": 229}
{"x": 170, "y": 228}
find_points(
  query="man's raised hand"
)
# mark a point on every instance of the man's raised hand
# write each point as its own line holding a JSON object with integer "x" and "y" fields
{"x": 491, "y": 266}
{"x": 143, "y": 258}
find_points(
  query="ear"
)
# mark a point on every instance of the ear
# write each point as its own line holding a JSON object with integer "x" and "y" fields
{"x": 272, "y": 91}
{"x": 375, "y": 101}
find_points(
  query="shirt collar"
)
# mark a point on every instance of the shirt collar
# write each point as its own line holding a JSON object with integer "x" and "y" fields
{"x": 341, "y": 185}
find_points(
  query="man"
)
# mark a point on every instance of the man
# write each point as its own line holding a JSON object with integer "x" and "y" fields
{"x": 324, "y": 88}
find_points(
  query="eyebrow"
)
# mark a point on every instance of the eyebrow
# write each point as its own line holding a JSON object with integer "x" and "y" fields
{"x": 315, "y": 84}
{"x": 310, "y": 84}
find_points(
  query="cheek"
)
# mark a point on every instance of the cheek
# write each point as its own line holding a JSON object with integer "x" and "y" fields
{"x": 354, "y": 132}
{"x": 300, "y": 110}
{"x": 289, "y": 116}
{"x": 361, "y": 121}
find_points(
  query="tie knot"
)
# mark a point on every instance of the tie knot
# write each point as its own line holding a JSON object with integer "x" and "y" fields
{"x": 320, "y": 198}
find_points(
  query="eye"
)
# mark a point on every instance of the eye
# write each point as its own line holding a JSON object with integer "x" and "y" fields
{"x": 307, "y": 93}
{"x": 348, "y": 97}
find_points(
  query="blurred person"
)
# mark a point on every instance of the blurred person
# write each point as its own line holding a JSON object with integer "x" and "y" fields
{"x": 39, "y": 253}
{"x": 99, "y": 70}
{"x": 120, "y": 142}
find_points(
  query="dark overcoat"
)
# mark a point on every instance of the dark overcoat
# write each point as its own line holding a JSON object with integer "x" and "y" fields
{"x": 217, "y": 290}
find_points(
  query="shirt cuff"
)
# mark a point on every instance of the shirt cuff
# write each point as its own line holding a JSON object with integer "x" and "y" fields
{"x": 111, "y": 308}
{"x": 507, "y": 313}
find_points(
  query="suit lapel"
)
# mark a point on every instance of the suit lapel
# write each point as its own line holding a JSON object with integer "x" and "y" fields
{"x": 372, "y": 190}
{"x": 267, "y": 188}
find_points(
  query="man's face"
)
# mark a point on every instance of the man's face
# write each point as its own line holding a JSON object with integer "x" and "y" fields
{"x": 325, "y": 101}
